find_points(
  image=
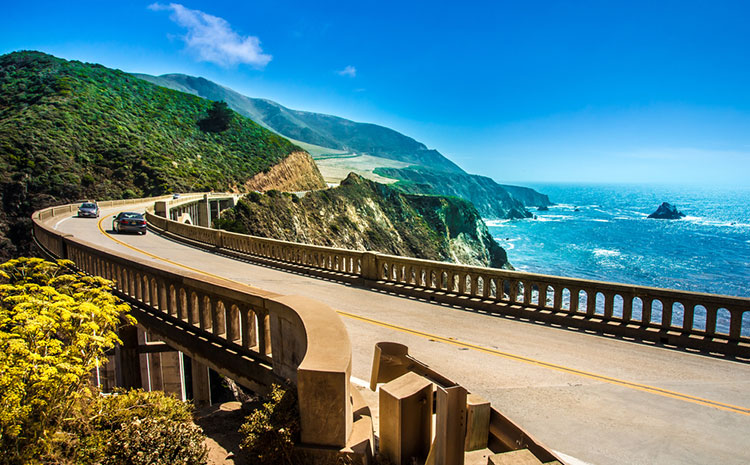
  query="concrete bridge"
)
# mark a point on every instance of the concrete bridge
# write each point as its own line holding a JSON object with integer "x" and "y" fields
{"x": 604, "y": 372}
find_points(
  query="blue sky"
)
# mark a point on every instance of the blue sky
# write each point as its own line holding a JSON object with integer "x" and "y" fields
{"x": 532, "y": 91}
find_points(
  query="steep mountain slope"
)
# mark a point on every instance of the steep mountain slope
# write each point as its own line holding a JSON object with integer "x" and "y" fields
{"x": 70, "y": 131}
{"x": 313, "y": 128}
{"x": 363, "y": 215}
{"x": 432, "y": 173}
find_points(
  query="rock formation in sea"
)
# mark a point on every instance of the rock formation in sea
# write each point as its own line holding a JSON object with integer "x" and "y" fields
{"x": 667, "y": 211}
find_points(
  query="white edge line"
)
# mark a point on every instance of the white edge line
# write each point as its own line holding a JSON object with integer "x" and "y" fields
{"x": 58, "y": 223}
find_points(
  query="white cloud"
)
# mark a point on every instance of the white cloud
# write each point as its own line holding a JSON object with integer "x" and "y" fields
{"x": 212, "y": 39}
{"x": 350, "y": 71}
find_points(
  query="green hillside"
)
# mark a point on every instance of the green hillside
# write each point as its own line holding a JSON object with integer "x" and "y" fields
{"x": 71, "y": 130}
{"x": 314, "y": 128}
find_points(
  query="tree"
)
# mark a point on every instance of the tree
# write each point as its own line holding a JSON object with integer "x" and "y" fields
{"x": 218, "y": 118}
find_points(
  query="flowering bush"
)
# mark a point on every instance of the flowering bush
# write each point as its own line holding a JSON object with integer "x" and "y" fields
{"x": 55, "y": 325}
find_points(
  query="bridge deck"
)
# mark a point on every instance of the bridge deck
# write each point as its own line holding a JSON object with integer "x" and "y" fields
{"x": 599, "y": 399}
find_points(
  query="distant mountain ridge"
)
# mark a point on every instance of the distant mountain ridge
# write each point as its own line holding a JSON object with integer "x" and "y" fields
{"x": 314, "y": 128}
{"x": 429, "y": 172}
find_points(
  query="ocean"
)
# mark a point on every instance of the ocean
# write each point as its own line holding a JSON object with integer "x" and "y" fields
{"x": 601, "y": 232}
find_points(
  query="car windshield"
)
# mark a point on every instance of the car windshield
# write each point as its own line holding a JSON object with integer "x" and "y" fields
{"x": 88, "y": 205}
{"x": 134, "y": 216}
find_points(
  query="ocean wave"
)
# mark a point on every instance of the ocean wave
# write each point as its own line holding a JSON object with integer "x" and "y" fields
{"x": 495, "y": 223}
{"x": 607, "y": 253}
{"x": 701, "y": 221}
{"x": 599, "y": 220}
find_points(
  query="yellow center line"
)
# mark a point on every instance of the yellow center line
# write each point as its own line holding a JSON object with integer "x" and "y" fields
{"x": 478, "y": 348}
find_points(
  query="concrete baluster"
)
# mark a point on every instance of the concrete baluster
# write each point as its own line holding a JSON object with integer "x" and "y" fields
{"x": 735, "y": 323}
{"x": 249, "y": 334}
{"x": 234, "y": 333}
{"x": 688, "y": 317}
{"x": 193, "y": 314}
{"x": 218, "y": 319}
{"x": 609, "y": 302}
{"x": 647, "y": 306}
{"x": 206, "y": 318}
{"x": 627, "y": 308}
{"x": 264, "y": 333}
{"x": 527, "y": 292}
{"x": 557, "y": 297}
{"x": 666, "y": 313}
{"x": 711, "y": 313}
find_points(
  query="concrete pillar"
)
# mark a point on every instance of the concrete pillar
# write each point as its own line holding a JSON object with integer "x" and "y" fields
{"x": 128, "y": 370}
{"x": 201, "y": 384}
{"x": 450, "y": 425}
{"x": 406, "y": 419}
{"x": 172, "y": 374}
{"x": 478, "y": 412}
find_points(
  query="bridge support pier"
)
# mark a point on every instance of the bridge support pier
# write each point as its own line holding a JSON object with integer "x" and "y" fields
{"x": 128, "y": 367}
{"x": 201, "y": 384}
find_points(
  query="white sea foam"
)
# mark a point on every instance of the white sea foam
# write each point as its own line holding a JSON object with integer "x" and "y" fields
{"x": 715, "y": 223}
{"x": 495, "y": 223}
{"x": 606, "y": 253}
{"x": 600, "y": 220}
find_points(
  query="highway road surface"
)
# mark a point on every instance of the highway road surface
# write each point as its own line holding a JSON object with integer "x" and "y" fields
{"x": 599, "y": 399}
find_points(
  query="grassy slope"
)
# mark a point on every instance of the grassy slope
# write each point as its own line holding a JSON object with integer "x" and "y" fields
{"x": 70, "y": 130}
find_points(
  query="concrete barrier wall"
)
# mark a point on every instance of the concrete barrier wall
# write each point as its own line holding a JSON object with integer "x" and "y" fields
{"x": 680, "y": 318}
{"x": 272, "y": 337}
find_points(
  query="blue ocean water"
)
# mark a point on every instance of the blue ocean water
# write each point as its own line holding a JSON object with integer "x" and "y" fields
{"x": 609, "y": 238}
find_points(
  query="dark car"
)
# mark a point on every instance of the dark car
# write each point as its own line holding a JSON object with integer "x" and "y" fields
{"x": 129, "y": 221}
{"x": 88, "y": 210}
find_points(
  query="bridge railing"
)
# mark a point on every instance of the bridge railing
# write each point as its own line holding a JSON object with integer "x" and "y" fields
{"x": 692, "y": 320}
{"x": 264, "y": 337}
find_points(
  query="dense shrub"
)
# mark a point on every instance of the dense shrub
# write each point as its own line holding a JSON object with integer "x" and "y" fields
{"x": 271, "y": 431}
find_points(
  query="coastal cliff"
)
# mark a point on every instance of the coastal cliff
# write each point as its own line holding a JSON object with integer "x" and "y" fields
{"x": 490, "y": 199}
{"x": 296, "y": 172}
{"x": 364, "y": 215}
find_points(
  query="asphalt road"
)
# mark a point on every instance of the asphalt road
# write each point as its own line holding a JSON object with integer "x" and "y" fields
{"x": 601, "y": 400}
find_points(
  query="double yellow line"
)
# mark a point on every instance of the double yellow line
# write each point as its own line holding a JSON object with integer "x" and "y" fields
{"x": 506, "y": 355}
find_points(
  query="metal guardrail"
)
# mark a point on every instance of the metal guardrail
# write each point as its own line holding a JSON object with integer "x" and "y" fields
{"x": 692, "y": 320}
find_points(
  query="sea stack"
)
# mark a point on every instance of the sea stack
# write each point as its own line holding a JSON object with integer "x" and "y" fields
{"x": 667, "y": 211}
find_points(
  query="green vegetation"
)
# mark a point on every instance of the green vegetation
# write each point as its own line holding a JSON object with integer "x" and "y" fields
{"x": 55, "y": 327}
{"x": 322, "y": 130}
{"x": 271, "y": 431}
{"x": 364, "y": 215}
{"x": 70, "y": 130}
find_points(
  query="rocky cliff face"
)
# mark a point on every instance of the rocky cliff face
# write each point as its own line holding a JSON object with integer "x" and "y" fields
{"x": 364, "y": 215}
{"x": 297, "y": 172}
{"x": 490, "y": 199}
{"x": 528, "y": 196}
